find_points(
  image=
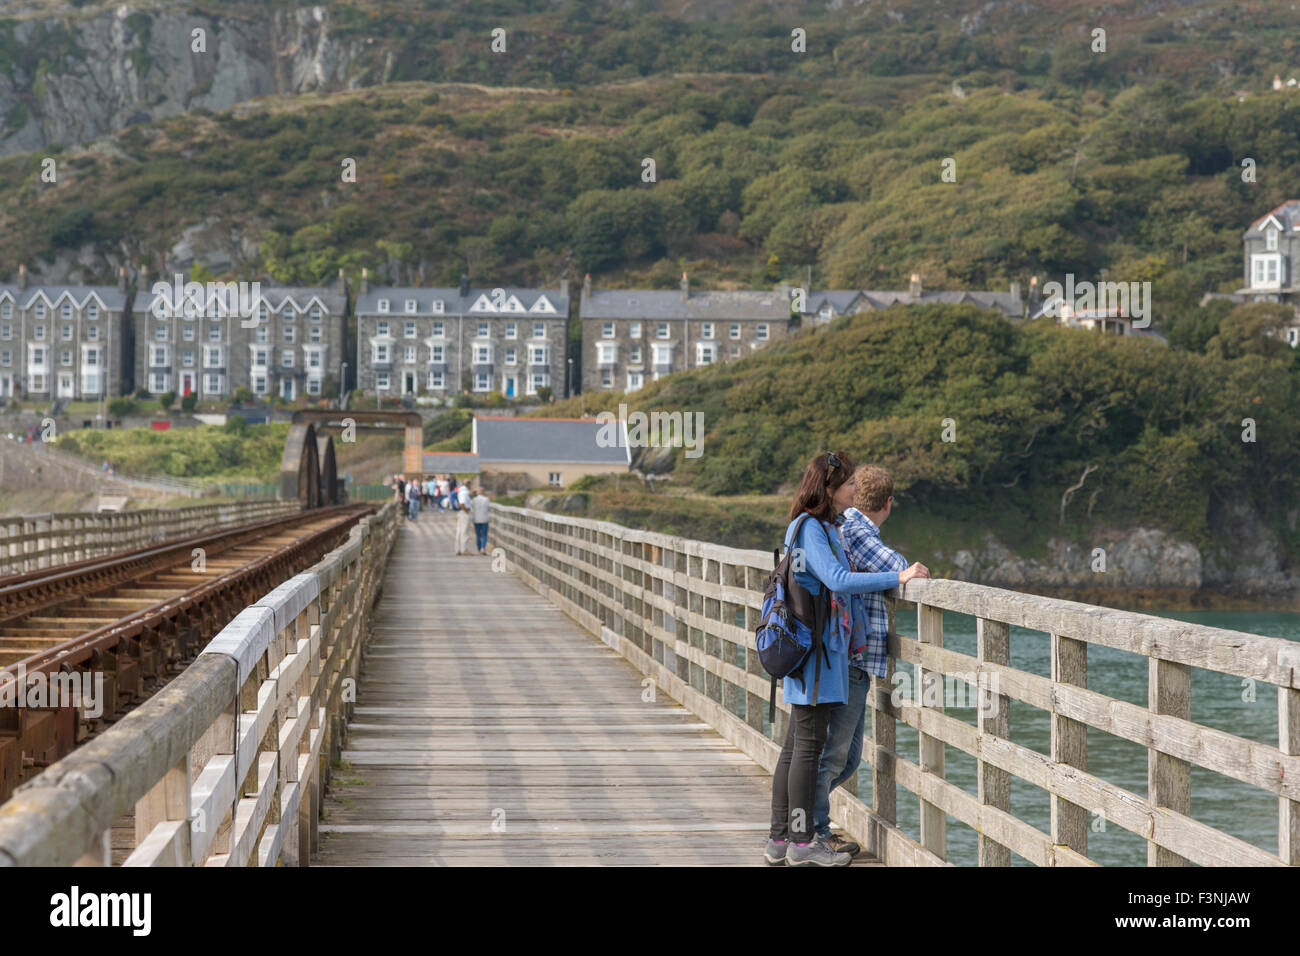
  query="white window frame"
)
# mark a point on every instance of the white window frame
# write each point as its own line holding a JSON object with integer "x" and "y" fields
{"x": 607, "y": 330}
{"x": 634, "y": 330}
{"x": 663, "y": 331}
{"x": 760, "y": 331}
{"x": 734, "y": 331}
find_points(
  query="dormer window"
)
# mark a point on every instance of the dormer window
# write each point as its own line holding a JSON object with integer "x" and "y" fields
{"x": 92, "y": 311}
{"x": 383, "y": 305}
{"x": 1270, "y": 240}
{"x": 40, "y": 310}
{"x": 315, "y": 313}
{"x": 410, "y": 305}
{"x": 66, "y": 310}
{"x": 437, "y": 305}
{"x": 6, "y": 310}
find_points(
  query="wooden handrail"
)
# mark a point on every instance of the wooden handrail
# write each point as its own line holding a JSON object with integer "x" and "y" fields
{"x": 684, "y": 613}
{"x": 225, "y": 765}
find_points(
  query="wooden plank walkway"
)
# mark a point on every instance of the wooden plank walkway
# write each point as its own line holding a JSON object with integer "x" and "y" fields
{"x": 491, "y": 730}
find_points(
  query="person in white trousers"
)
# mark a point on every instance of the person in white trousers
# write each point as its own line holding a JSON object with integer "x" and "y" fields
{"x": 463, "y": 522}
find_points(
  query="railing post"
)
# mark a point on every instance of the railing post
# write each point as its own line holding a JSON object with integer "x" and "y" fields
{"x": 1069, "y": 742}
{"x": 993, "y": 713}
{"x": 884, "y": 782}
{"x": 934, "y": 825}
{"x": 1288, "y": 741}
{"x": 1169, "y": 780}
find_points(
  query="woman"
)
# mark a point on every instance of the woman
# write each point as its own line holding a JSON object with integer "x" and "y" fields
{"x": 826, "y": 490}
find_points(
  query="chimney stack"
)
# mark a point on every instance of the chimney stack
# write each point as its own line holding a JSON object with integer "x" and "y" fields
{"x": 686, "y": 287}
{"x": 343, "y": 280}
{"x": 121, "y": 278}
{"x": 365, "y": 280}
{"x": 564, "y": 287}
{"x": 22, "y": 276}
{"x": 586, "y": 284}
{"x": 464, "y": 285}
{"x": 914, "y": 287}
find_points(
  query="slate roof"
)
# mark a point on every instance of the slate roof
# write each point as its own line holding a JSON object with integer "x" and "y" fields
{"x": 109, "y": 295}
{"x": 1005, "y": 302}
{"x": 331, "y": 297}
{"x": 1287, "y": 214}
{"x": 840, "y": 300}
{"x": 663, "y": 304}
{"x": 454, "y": 304}
{"x": 560, "y": 440}
{"x": 453, "y": 462}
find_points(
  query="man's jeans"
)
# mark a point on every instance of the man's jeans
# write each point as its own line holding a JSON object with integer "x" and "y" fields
{"x": 480, "y": 534}
{"x": 843, "y": 750}
{"x": 413, "y": 508}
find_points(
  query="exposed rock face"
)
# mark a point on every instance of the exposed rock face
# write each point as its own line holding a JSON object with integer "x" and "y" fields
{"x": 120, "y": 66}
{"x": 1139, "y": 559}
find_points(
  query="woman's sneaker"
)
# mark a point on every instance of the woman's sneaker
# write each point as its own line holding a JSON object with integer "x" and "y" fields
{"x": 816, "y": 853}
{"x": 775, "y": 851}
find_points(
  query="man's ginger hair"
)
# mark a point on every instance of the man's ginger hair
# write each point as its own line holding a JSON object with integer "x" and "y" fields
{"x": 875, "y": 488}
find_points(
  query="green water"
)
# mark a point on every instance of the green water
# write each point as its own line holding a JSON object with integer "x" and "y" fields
{"x": 1227, "y": 805}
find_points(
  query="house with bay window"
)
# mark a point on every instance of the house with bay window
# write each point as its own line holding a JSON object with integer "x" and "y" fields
{"x": 64, "y": 341}
{"x": 1272, "y": 245}
{"x": 443, "y": 341}
{"x": 289, "y": 343}
{"x": 634, "y": 336}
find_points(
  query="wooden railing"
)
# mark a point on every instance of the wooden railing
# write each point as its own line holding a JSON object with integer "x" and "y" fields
{"x": 684, "y": 613}
{"x": 225, "y": 765}
{"x": 30, "y": 542}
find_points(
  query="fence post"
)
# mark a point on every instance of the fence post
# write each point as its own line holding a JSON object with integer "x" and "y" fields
{"x": 1069, "y": 742}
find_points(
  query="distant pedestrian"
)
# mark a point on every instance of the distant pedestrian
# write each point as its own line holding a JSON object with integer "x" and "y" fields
{"x": 453, "y": 492}
{"x": 480, "y": 506}
{"x": 462, "y": 520}
{"x": 413, "y": 499}
{"x": 444, "y": 489}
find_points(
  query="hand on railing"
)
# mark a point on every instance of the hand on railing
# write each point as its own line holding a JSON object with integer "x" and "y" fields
{"x": 917, "y": 570}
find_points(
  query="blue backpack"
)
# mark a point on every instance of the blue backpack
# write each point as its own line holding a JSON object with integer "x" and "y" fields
{"x": 791, "y": 625}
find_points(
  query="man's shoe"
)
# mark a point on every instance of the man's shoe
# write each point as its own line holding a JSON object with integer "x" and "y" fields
{"x": 841, "y": 844}
{"x": 774, "y": 852}
{"x": 816, "y": 853}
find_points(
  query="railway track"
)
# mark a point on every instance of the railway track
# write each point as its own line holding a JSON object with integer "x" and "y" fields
{"x": 82, "y": 643}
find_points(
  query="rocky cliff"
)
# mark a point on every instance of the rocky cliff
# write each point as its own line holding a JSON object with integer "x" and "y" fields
{"x": 67, "y": 77}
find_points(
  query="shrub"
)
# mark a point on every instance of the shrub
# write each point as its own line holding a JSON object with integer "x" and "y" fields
{"x": 189, "y": 402}
{"x": 243, "y": 395}
{"x": 165, "y": 400}
{"x": 121, "y": 407}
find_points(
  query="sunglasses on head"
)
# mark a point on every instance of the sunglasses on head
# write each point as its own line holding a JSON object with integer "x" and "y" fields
{"x": 832, "y": 462}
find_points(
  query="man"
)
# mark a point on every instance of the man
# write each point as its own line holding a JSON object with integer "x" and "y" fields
{"x": 462, "y": 520}
{"x": 479, "y": 508}
{"x": 413, "y": 499}
{"x": 872, "y": 504}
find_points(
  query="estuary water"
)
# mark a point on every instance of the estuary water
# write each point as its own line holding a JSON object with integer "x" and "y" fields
{"x": 1219, "y": 701}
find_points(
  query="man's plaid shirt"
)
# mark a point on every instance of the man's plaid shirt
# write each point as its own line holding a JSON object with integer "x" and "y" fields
{"x": 867, "y": 553}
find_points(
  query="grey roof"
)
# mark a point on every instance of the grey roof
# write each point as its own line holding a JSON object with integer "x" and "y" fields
{"x": 700, "y": 306}
{"x": 1288, "y": 214}
{"x": 454, "y": 304}
{"x": 113, "y": 299}
{"x": 1010, "y": 305}
{"x": 840, "y": 300}
{"x": 331, "y": 297}
{"x": 559, "y": 440}
{"x": 454, "y": 462}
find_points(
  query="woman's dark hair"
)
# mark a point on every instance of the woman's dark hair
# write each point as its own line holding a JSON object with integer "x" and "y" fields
{"x": 824, "y": 474}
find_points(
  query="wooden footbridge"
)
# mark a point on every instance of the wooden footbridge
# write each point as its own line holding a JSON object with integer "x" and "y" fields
{"x": 584, "y": 695}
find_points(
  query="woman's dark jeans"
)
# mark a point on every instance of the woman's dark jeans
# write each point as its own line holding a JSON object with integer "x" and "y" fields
{"x": 794, "y": 783}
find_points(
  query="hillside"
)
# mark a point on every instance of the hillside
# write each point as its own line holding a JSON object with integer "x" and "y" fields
{"x": 757, "y": 179}
{"x": 70, "y": 72}
{"x": 1151, "y": 436}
